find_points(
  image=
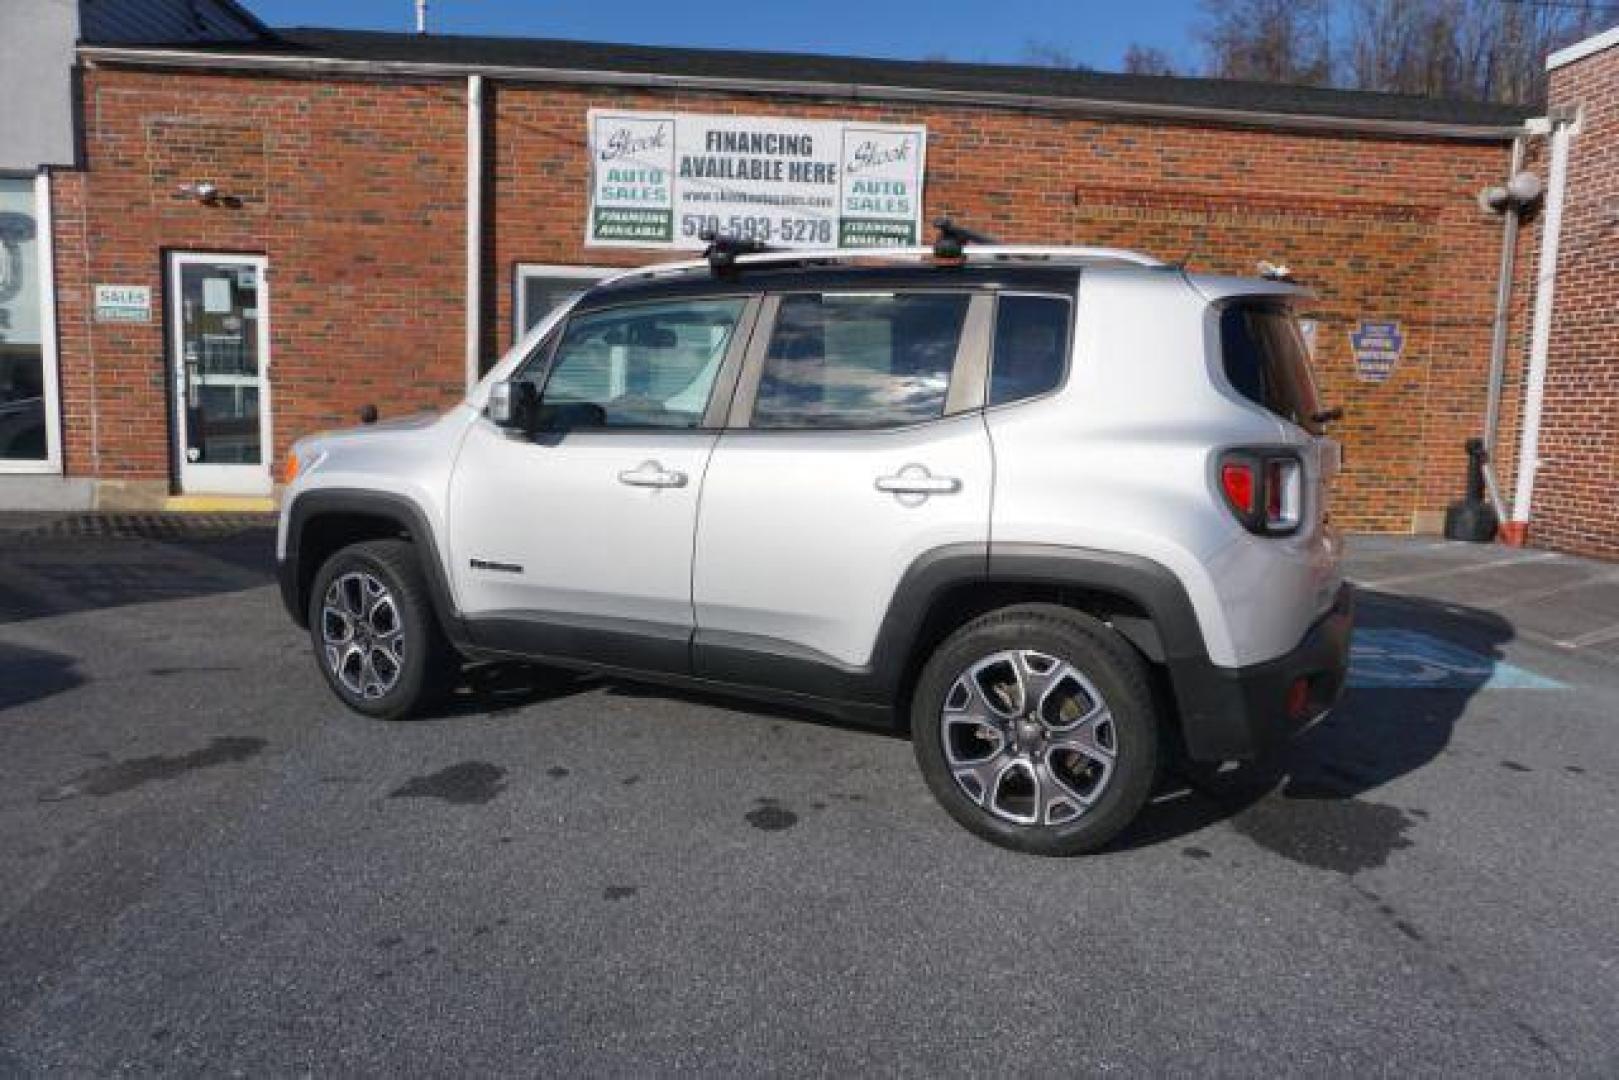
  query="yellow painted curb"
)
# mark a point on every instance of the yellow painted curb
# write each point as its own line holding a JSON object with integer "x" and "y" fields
{"x": 219, "y": 504}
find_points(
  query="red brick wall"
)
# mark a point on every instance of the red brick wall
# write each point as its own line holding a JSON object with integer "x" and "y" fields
{"x": 1576, "y": 501}
{"x": 1382, "y": 228}
{"x": 355, "y": 192}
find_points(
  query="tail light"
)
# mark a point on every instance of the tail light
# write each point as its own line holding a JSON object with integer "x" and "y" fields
{"x": 1264, "y": 489}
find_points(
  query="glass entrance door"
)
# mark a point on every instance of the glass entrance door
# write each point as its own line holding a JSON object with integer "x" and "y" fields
{"x": 220, "y": 354}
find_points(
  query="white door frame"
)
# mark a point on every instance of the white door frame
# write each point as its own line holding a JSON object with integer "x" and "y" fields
{"x": 204, "y": 478}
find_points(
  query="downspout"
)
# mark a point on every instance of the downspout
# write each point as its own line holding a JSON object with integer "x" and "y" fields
{"x": 474, "y": 228}
{"x": 1498, "y": 339}
{"x": 1516, "y": 531}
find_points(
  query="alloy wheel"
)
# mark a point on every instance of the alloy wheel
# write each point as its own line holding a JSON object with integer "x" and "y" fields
{"x": 1028, "y": 737}
{"x": 363, "y": 634}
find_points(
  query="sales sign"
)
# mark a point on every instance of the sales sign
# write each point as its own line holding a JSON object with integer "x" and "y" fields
{"x": 123, "y": 303}
{"x": 665, "y": 179}
{"x": 1376, "y": 347}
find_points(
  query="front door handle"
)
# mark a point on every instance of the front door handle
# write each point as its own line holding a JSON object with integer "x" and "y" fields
{"x": 651, "y": 474}
{"x": 916, "y": 480}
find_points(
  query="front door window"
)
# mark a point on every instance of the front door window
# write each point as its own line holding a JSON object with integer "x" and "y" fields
{"x": 220, "y": 365}
{"x": 651, "y": 365}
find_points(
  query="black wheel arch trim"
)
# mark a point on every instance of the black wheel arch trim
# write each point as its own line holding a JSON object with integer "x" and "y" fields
{"x": 1168, "y": 634}
{"x": 1172, "y": 633}
{"x": 295, "y": 578}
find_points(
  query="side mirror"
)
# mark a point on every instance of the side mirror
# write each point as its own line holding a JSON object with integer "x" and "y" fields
{"x": 514, "y": 405}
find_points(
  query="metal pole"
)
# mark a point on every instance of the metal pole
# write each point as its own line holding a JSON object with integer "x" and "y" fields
{"x": 1503, "y": 304}
{"x": 474, "y": 228}
{"x": 421, "y": 16}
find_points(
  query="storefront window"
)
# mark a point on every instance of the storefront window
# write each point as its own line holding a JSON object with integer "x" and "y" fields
{"x": 23, "y": 413}
{"x": 542, "y": 289}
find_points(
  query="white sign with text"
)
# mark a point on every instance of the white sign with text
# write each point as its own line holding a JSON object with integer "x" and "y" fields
{"x": 663, "y": 180}
{"x": 123, "y": 303}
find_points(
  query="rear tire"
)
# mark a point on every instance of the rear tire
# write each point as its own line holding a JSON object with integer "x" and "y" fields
{"x": 1034, "y": 727}
{"x": 377, "y": 641}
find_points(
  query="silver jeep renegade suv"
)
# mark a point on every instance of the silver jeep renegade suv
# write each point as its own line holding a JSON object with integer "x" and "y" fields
{"x": 1060, "y": 512}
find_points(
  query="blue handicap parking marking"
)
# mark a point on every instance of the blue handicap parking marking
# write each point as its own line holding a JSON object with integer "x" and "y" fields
{"x": 1385, "y": 658}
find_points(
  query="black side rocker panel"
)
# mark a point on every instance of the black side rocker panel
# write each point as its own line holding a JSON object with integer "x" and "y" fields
{"x": 740, "y": 658}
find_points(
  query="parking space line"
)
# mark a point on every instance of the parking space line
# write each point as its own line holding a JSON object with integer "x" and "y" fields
{"x": 1550, "y": 591}
{"x": 1493, "y": 564}
{"x": 1592, "y": 637}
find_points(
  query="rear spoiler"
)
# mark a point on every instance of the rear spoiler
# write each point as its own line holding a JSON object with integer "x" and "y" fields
{"x": 1217, "y": 288}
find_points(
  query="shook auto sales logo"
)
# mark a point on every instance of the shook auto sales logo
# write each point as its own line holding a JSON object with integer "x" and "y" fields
{"x": 623, "y": 142}
{"x": 870, "y": 155}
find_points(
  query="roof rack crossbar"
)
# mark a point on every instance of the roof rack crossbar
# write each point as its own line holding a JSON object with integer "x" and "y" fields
{"x": 976, "y": 254}
{"x": 724, "y": 249}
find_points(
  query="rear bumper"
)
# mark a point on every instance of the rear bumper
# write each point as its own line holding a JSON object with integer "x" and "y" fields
{"x": 1239, "y": 713}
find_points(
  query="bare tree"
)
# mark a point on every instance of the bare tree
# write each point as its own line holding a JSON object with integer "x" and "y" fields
{"x": 1487, "y": 50}
{"x": 1147, "y": 60}
{"x": 1047, "y": 54}
{"x": 1284, "y": 41}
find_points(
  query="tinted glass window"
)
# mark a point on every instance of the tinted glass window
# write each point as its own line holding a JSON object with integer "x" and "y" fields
{"x": 651, "y": 365}
{"x": 1267, "y": 362}
{"x": 1031, "y": 347}
{"x": 859, "y": 360}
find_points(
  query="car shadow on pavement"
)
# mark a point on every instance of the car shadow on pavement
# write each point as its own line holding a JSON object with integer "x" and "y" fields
{"x": 90, "y": 562}
{"x": 29, "y": 674}
{"x": 757, "y": 705}
{"x": 496, "y": 687}
{"x": 1416, "y": 665}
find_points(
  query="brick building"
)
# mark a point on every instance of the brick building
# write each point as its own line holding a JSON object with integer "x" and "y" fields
{"x": 327, "y": 220}
{"x": 1570, "y": 495}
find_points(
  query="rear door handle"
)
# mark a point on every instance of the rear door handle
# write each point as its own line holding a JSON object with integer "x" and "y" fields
{"x": 651, "y": 474}
{"x": 916, "y": 480}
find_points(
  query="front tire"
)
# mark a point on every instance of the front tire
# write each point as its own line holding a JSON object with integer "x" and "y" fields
{"x": 377, "y": 641}
{"x": 1034, "y": 726}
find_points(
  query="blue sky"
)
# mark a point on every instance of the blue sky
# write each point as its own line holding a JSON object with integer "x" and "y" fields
{"x": 1094, "y": 32}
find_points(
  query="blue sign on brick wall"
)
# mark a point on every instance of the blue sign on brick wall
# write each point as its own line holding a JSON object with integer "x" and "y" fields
{"x": 1376, "y": 347}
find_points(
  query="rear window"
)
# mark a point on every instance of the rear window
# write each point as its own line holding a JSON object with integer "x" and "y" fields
{"x": 859, "y": 360}
{"x": 1031, "y": 347}
{"x": 1266, "y": 362}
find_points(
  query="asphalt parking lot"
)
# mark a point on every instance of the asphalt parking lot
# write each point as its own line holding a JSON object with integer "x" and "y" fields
{"x": 207, "y": 866}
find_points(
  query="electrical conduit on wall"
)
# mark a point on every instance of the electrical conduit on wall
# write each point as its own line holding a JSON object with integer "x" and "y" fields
{"x": 1516, "y": 531}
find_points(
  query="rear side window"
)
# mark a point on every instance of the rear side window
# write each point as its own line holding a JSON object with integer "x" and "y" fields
{"x": 1266, "y": 362}
{"x": 1031, "y": 347}
{"x": 859, "y": 360}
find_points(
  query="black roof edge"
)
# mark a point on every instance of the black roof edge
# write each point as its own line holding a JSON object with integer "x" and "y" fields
{"x": 787, "y": 69}
{"x": 248, "y": 20}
